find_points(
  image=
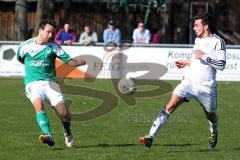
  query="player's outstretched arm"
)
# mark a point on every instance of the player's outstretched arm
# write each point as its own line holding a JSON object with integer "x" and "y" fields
{"x": 76, "y": 63}
{"x": 182, "y": 63}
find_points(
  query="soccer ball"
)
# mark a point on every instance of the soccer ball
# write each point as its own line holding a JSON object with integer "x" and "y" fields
{"x": 127, "y": 86}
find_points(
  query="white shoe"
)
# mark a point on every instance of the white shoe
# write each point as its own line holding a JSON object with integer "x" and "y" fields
{"x": 68, "y": 140}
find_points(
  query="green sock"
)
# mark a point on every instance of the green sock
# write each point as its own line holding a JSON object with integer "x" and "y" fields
{"x": 43, "y": 122}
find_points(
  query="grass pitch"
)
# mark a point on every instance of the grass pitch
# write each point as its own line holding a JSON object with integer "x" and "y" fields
{"x": 115, "y": 135}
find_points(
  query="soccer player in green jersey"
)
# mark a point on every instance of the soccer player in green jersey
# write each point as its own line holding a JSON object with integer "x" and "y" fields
{"x": 38, "y": 55}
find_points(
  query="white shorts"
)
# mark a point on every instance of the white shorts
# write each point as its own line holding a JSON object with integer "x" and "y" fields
{"x": 206, "y": 95}
{"x": 48, "y": 90}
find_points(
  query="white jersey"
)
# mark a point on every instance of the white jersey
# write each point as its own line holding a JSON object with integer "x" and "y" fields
{"x": 203, "y": 71}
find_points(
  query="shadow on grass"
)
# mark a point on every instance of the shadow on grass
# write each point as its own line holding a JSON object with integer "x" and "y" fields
{"x": 236, "y": 149}
{"x": 207, "y": 150}
{"x": 104, "y": 145}
{"x": 175, "y": 145}
{"x": 58, "y": 148}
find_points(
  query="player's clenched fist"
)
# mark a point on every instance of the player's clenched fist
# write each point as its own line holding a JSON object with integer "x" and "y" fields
{"x": 181, "y": 63}
{"x": 198, "y": 54}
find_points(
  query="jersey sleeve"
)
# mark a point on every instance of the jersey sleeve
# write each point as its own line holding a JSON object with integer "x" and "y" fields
{"x": 20, "y": 52}
{"x": 221, "y": 50}
{"x": 219, "y": 61}
{"x": 134, "y": 37}
{"x": 61, "y": 54}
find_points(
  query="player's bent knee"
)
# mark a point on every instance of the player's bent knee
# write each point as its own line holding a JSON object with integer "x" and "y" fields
{"x": 62, "y": 110}
{"x": 65, "y": 115}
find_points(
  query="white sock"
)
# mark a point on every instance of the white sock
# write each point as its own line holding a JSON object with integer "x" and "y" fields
{"x": 159, "y": 122}
{"x": 213, "y": 126}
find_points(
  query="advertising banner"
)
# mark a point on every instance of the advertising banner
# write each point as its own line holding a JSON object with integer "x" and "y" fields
{"x": 115, "y": 62}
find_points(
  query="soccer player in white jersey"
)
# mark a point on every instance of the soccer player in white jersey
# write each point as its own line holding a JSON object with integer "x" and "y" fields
{"x": 38, "y": 54}
{"x": 209, "y": 55}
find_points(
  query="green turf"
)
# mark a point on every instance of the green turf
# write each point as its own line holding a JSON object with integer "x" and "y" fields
{"x": 115, "y": 135}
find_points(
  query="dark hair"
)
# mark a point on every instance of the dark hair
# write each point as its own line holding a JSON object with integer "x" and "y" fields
{"x": 111, "y": 22}
{"x": 86, "y": 25}
{"x": 66, "y": 22}
{"x": 207, "y": 20}
{"x": 47, "y": 21}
